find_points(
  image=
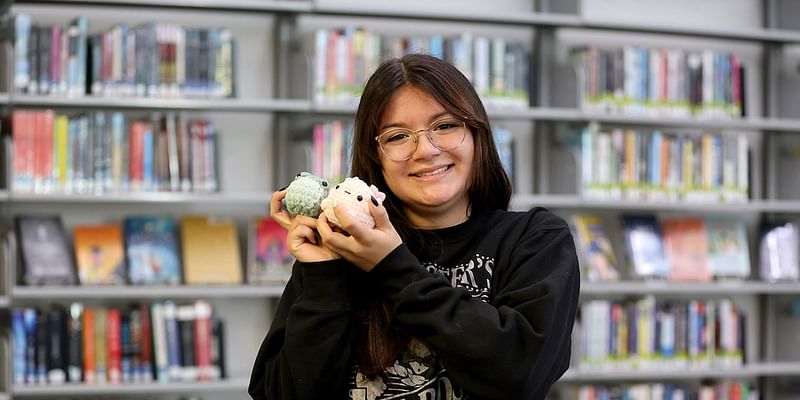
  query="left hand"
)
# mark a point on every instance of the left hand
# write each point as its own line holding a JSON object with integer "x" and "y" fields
{"x": 364, "y": 247}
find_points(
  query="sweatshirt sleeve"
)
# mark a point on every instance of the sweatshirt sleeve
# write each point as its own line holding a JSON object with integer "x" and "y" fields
{"x": 514, "y": 348}
{"x": 306, "y": 353}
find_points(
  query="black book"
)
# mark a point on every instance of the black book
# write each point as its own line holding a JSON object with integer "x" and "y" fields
{"x": 186, "y": 318}
{"x": 75, "y": 343}
{"x": 45, "y": 255}
{"x": 41, "y": 339}
{"x": 218, "y": 347}
{"x": 56, "y": 345}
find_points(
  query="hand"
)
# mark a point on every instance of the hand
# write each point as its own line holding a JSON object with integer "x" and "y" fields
{"x": 364, "y": 247}
{"x": 303, "y": 241}
{"x": 277, "y": 212}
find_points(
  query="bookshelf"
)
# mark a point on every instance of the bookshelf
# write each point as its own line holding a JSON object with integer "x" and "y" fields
{"x": 273, "y": 103}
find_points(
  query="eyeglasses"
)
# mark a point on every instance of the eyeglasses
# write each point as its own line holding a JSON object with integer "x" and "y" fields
{"x": 399, "y": 144}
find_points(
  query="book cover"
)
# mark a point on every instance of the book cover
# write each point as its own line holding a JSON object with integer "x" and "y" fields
{"x": 269, "y": 259}
{"x": 57, "y": 351}
{"x": 100, "y": 254}
{"x": 88, "y": 341}
{"x": 152, "y": 250}
{"x": 779, "y": 253}
{"x": 595, "y": 249}
{"x": 74, "y": 342}
{"x": 19, "y": 345}
{"x": 45, "y": 253}
{"x": 687, "y": 249}
{"x": 643, "y": 242}
{"x": 210, "y": 250}
{"x": 728, "y": 253}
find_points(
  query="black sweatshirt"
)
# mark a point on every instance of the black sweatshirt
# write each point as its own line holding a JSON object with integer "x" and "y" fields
{"x": 491, "y": 311}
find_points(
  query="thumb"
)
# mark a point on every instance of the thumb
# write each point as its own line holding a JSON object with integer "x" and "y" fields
{"x": 379, "y": 214}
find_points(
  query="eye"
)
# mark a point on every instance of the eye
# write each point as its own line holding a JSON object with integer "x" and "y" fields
{"x": 337, "y": 187}
{"x": 324, "y": 183}
{"x": 396, "y": 136}
{"x": 446, "y": 125}
{"x": 359, "y": 197}
{"x": 297, "y": 176}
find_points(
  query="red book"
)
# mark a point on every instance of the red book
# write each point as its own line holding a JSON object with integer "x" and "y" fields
{"x": 89, "y": 372}
{"x": 202, "y": 340}
{"x": 146, "y": 344}
{"x": 114, "y": 346}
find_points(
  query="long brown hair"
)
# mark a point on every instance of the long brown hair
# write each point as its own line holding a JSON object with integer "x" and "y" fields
{"x": 381, "y": 338}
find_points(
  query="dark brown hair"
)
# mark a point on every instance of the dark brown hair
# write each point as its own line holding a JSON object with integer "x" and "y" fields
{"x": 381, "y": 339}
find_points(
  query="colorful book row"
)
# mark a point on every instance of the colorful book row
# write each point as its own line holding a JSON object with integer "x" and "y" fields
{"x": 726, "y": 390}
{"x": 162, "y": 342}
{"x": 660, "y": 166}
{"x": 344, "y": 58}
{"x": 646, "y": 334}
{"x": 109, "y": 152}
{"x": 150, "y": 250}
{"x": 148, "y": 60}
{"x": 661, "y": 82}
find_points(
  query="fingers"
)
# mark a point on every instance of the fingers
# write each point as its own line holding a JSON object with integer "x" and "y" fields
{"x": 349, "y": 223}
{"x": 379, "y": 214}
{"x": 328, "y": 235}
{"x": 276, "y": 211}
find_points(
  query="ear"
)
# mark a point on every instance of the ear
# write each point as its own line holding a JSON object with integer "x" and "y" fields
{"x": 380, "y": 196}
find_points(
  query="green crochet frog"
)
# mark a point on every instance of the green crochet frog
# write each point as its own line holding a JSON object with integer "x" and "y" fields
{"x": 305, "y": 193}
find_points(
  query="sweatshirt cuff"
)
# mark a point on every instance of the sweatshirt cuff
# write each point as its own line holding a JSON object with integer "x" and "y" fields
{"x": 325, "y": 282}
{"x": 397, "y": 270}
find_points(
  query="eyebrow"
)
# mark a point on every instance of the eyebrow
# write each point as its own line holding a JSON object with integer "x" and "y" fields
{"x": 432, "y": 119}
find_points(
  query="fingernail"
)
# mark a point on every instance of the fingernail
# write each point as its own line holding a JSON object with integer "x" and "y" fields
{"x": 282, "y": 189}
{"x": 374, "y": 200}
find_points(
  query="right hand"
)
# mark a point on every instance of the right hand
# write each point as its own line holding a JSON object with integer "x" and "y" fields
{"x": 304, "y": 242}
{"x": 277, "y": 212}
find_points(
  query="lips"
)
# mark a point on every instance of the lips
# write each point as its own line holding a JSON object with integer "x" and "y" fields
{"x": 432, "y": 171}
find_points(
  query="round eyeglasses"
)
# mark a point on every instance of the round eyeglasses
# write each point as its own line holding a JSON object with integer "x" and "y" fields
{"x": 399, "y": 144}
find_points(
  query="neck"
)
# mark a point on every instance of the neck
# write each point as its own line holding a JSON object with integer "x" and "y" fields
{"x": 430, "y": 219}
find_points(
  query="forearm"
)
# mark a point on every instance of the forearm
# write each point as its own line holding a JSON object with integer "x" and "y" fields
{"x": 509, "y": 349}
{"x": 306, "y": 354}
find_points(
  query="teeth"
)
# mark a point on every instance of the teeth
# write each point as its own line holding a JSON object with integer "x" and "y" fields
{"x": 438, "y": 171}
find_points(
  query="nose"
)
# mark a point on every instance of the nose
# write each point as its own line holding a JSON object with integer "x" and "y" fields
{"x": 425, "y": 147}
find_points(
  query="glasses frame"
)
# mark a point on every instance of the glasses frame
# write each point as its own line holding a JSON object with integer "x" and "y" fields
{"x": 428, "y": 132}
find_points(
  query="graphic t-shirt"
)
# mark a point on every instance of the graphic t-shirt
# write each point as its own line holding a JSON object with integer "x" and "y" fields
{"x": 417, "y": 374}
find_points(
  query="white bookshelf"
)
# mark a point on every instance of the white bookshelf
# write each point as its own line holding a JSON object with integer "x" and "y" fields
{"x": 238, "y": 384}
{"x": 748, "y": 371}
{"x": 217, "y": 105}
{"x": 640, "y": 288}
{"x": 77, "y": 293}
{"x": 224, "y": 198}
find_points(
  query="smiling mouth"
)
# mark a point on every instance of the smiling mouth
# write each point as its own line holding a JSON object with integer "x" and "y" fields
{"x": 436, "y": 172}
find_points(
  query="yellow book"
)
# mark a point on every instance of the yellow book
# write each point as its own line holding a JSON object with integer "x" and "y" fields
{"x": 210, "y": 251}
{"x": 61, "y": 138}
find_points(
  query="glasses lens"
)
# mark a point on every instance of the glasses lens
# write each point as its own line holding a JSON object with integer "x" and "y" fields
{"x": 398, "y": 144}
{"x": 447, "y": 134}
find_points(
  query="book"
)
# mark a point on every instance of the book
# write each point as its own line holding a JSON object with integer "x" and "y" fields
{"x": 779, "y": 252}
{"x": 57, "y": 351}
{"x": 643, "y": 242}
{"x": 728, "y": 253}
{"x": 152, "y": 250}
{"x": 100, "y": 254}
{"x": 268, "y": 258}
{"x": 74, "y": 343}
{"x": 210, "y": 250}
{"x": 45, "y": 254}
{"x": 686, "y": 247}
{"x": 595, "y": 249}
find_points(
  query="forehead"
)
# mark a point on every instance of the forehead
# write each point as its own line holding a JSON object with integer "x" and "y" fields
{"x": 410, "y": 105}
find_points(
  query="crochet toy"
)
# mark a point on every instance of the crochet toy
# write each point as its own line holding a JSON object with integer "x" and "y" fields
{"x": 354, "y": 194}
{"x": 305, "y": 193}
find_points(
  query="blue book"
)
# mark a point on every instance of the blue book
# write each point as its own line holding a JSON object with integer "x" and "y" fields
{"x": 19, "y": 345}
{"x": 152, "y": 250}
{"x": 643, "y": 240}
